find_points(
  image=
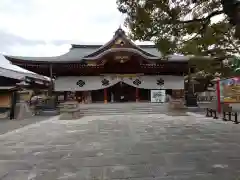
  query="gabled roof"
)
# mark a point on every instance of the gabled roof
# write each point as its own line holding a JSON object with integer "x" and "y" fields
{"x": 120, "y": 35}
{"x": 79, "y": 53}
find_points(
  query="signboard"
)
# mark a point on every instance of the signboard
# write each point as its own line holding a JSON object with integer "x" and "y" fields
{"x": 158, "y": 96}
{"x": 230, "y": 90}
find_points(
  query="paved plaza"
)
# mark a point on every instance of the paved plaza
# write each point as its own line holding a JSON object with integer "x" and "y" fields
{"x": 137, "y": 147}
{"x": 7, "y": 125}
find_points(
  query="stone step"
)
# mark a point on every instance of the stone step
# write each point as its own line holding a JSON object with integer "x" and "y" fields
{"x": 113, "y": 109}
{"x": 124, "y": 109}
{"x": 117, "y": 113}
{"x": 107, "y": 111}
{"x": 121, "y": 107}
{"x": 121, "y": 111}
{"x": 117, "y": 105}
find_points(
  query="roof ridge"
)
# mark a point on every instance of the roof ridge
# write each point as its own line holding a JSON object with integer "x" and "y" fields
{"x": 100, "y": 45}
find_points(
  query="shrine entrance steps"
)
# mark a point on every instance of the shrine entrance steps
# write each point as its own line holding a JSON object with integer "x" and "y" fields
{"x": 122, "y": 108}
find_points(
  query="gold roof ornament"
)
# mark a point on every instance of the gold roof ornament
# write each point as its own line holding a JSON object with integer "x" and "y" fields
{"x": 120, "y": 42}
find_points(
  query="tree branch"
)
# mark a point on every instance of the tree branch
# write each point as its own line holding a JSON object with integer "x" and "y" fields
{"x": 233, "y": 44}
{"x": 215, "y": 13}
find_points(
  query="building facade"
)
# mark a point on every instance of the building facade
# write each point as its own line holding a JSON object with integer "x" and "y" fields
{"x": 117, "y": 71}
{"x": 11, "y": 84}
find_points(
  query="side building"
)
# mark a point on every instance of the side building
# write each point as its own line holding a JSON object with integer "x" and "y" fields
{"x": 11, "y": 82}
{"x": 117, "y": 71}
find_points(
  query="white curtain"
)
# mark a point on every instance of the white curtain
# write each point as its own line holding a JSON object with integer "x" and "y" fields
{"x": 83, "y": 83}
{"x": 88, "y": 83}
{"x": 156, "y": 82}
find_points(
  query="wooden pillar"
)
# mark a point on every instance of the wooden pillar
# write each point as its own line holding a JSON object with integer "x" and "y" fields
{"x": 137, "y": 94}
{"x": 105, "y": 95}
{"x": 83, "y": 97}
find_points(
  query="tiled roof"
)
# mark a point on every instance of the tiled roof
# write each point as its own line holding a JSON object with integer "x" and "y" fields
{"x": 79, "y": 53}
{"x": 76, "y": 54}
{"x": 20, "y": 75}
{"x": 7, "y": 87}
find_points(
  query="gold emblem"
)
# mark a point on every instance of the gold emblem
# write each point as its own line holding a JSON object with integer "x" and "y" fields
{"x": 120, "y": 42}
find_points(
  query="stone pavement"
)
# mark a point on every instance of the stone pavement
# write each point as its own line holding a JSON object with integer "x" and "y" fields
{"x": 137, "y": 147}
{"x": 7, "y": 125}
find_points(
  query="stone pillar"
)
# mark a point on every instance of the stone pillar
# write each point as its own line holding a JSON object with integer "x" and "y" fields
{"x": 137, "y": 95}
{"x": 65, "y": 95}
{"x": 177, "y": 101}
{"x": 105, "y": 95}
{"x": 51, "y": 88}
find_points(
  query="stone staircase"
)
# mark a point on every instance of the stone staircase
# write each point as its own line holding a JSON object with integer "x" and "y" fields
{"x": 121, "y": 109}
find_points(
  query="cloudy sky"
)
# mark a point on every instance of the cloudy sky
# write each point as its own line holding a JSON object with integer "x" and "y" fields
{"x": 47, "y": 27}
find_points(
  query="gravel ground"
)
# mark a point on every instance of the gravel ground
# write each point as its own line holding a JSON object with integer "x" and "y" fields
{"x": 126, "y": 147}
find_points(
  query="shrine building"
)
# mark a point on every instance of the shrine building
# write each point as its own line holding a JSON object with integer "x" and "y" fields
{"x": 117, "y": 71}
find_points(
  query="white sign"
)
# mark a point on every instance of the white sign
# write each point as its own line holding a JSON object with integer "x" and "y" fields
{"x": 158, "y": 96}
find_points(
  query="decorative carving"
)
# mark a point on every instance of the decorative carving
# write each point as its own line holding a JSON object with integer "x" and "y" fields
{"x": 120, "y": 42}
{"x": 102, "y": 61}
{"x": 80, "y": 83}
{"x": 122, "y": 59}
{"x": 160, "y": 82}
{"x": 120, "y": 31}
{"x": 91, "y": 62}
{"x": 137, "y": 82}
{"x": 105, "y": 82}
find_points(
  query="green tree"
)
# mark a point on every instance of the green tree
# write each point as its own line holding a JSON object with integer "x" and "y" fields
{"x": 236, "y": 65}
{"x": 196, "y": 27}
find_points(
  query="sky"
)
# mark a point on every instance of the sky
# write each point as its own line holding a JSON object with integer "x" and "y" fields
{"x": 48, "y": 27}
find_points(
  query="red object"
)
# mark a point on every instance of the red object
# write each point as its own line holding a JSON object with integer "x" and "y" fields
{"x": 105, "y": 95}
{"x": 218, "y": 96}
{"x": 137, "y": 94}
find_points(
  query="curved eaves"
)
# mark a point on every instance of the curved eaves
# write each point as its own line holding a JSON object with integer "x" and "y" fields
{"x": 72, "y": 55}
{"x": 135, "y": 51}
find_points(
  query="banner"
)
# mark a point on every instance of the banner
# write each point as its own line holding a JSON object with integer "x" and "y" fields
{"x": 230, "y": 90}
{"x": 89, "y": 83}
{"x": 158, "y": 96}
